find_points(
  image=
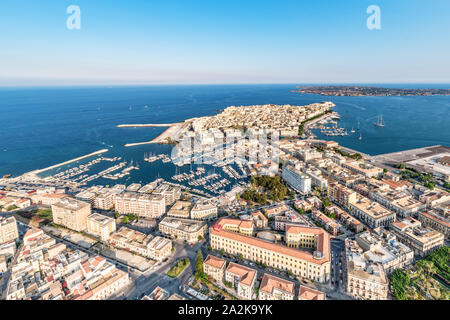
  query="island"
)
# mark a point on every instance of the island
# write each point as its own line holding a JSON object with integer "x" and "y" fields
{"x": 361, "y": 91}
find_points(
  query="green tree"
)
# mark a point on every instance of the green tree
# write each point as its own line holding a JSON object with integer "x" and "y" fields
{"x": 199, "y": 265}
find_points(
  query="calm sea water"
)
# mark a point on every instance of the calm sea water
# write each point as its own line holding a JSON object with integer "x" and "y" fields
{"x": 40, "y": 127}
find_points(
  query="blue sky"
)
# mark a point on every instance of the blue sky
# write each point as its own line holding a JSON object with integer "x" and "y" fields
{"x": 196, "y": 41}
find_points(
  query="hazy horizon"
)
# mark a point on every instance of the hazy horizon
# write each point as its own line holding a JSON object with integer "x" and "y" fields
{"x": 235, "y": 42}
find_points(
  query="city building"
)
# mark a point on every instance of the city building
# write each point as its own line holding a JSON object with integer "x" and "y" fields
{"x": 385, "y": 251}
{"x": 314, "y": 266}
{"x": 142, "y": 205}
{"x": 159, "y": 248}
{"x": 362, "y": 278}
{"x": 46, "y": 270}
{"x": 299, "y": 181}
{"x": 436, "y": 220}
{"x": 204, "y": 210}
{"x": 259, "y": 219}
{"x": 329, "y": 224}
{"x": 306, "y": 293}
{"x": 181, "y": 209}
{"x": 131, "y": 240}
{"x": 183, "y": 229}
{"x": 243, "y": 279}
{"x": 420, "y": 239}
{"x": 48, "y": 199}
{"x": 156, "y": 248}
{"x": 237, "y": 225}
{"x": 101, "y": 226}
{"x": 170, "y": 193}
{"x": 71, "y": 213}
{"x": 370, "y": 212}
{"x": 215, "y": 268}
{"x": 341, "y": 194}
{"x": 274, "y": 288}
{"x": 157, "y": 294}
{"x": 8, "y": 230}
{"x": 363, "y": 168}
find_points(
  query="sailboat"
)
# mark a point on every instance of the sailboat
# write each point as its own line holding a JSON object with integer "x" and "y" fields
{"x": 352, "y": 131}
{"x": 379, "y": 122}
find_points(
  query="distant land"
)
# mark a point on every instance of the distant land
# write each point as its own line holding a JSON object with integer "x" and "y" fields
{"x": 360, "y": 91}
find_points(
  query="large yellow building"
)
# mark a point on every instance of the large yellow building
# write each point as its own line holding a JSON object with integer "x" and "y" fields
{"x": 236, "y": 225}
{"x": 71, "y": 213}
{"x": 314, "y": 266}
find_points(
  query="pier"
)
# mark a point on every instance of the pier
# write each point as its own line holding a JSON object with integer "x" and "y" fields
{"x": 147, "y": 125}
{"x": 172, "y": 131}
{"x": 36, "y": 172}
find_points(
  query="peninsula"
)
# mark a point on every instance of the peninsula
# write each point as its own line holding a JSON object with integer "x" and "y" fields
{"x": 360, "y": 91}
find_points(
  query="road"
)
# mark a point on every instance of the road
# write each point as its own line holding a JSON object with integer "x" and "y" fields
{"x": 145, "y": 283}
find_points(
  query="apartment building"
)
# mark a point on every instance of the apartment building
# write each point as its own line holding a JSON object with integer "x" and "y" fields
{"x": 181, "y": 209}
{"x": 420, "y": 239}
{"x": 362, "y": 278}
{"x": 274, "y": 288}
{"x": 433, "y": 198}
{"x": 104, "y": 200}
{"x": 385, "y": 251}
{"x": 297, "y": 180}
{"x": 159, "y": 248}
{"x": 8, "y": 230}
{"x": 315, "y": 266}
{"x": 215, "y": 268}
{"x": 131, "y": 240}
{"x": 101, "y": 226}
{"x": 400, "y": 202}
{"x": 71, "y": 213}
{"x": 436, "y": 220}
{"x": 371, "y": 213}
{"x": 330, "y": 225}
{"x": 143, "y": 205}
{"x": 259, "y": 219}
{"x": 277, "y": 210}
{"x": 203, "y": 210}
{"x": 183, "y": 229}
{"x": 242, "y": 278}
{"x": 346, "y": 219}
{"x": 341, "y": 194}
{"x": 169, "y": 192}
{"x": 46, "y": 270}
{"x": 363, "y": 168}
{"x": 306, "y": 293}
{"x": 48, "y": 199}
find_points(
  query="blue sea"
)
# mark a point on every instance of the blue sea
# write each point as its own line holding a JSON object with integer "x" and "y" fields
{"x": 40, "y": 127}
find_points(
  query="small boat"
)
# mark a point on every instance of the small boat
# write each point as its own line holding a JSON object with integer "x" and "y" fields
{"x": 379, "y": 122}
{"x": 352, "y": 131}
{"x": 360, "y": 137}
